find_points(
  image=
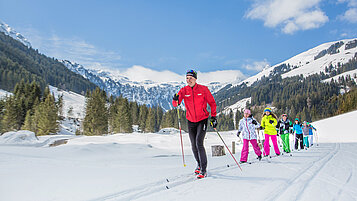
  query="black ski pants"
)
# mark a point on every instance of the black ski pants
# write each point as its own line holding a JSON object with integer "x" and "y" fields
{"x": 197, "y": 133}
{"x": 299, "y": 138}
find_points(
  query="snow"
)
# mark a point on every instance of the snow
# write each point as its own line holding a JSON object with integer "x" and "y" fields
{"x": 306, "y": 65}
{"x": 12, "y": 33}
{"x": 137, "y": 166}
{"x": 169, "y": 131}
{"x": 339, "y": 130}
{"x": 239, "y": 105}
{"x": 3, "y": 94}
{"x": 352, "y": 73}
{"x": 70, "y": 100}
{"x": 18, "y": 137}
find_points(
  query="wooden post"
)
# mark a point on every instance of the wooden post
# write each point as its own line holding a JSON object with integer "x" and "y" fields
{"x": 233, "y": 147}
{"x": 218, "y": 150}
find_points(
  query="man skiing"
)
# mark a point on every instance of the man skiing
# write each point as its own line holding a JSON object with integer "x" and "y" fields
{"x": 247, "y": 126}
{"x": 298, "y": 134}
{"x": 268, "y": 123}
{"x": 196, "y": 98}
{"x": 284, "y": 126}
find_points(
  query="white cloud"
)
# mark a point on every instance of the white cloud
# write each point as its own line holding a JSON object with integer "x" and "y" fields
{"x": 350, "y": 14}
{"x": 73, "y": 49}
{"x": 257, "y": 65}
{"x": 290, "y": 15}
{"x": 350, "y": 3}
{"x": 141, "y": 74}
{"x": 222, "y": 76}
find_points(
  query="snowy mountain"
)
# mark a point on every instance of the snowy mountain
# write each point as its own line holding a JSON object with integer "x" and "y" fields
{"x": 12, "y": 33}
{"x": 325, "y": 58}
{"x": 312, "y": 61}
{"x": 147, "y": 86}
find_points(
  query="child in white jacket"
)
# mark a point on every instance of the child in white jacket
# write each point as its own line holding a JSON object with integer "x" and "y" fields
{"x": 247, "y": 126}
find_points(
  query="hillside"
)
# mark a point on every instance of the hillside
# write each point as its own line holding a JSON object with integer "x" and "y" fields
{"x": 299, "y": 85}
{"x": 18, "y": 62}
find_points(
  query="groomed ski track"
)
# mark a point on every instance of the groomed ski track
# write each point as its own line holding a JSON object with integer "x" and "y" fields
{"x": 299, "y": 177}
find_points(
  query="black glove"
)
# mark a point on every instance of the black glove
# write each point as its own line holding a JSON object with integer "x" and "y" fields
{"x": 238, "y": 134}
{"x": 271, "y": 121}
{"x": 176, "y": 97}
{"x": 213, "y": 122}
{"x": 261, "y": 128}
{"x": 254, "y": 122}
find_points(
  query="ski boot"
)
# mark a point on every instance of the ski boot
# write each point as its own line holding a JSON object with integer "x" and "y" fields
{"x": 202, "y": 175}
{"x": 197, "y": 170}
{"x": 259, "y": 158}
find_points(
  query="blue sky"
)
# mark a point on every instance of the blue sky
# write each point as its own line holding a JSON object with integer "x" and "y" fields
{"x": 207, "y": 35}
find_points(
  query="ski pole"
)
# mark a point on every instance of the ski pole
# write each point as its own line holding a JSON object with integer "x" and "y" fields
{"x": 183, "y": 155}
{"x": 228, "y": 149}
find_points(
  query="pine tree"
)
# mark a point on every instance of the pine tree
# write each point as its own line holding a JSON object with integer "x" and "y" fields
{"x": 11, "y": 119}
{"x": 134, "y": 110}
{"x": 142, "y": 117}
{"x": 46, "y": 116}
{"x": 29, "y": 124}
{"x": 159, "y": 115}
{"x": 150, "y": 121}
{"x": 96, "y": 119}
{"x": 126, "y": 118}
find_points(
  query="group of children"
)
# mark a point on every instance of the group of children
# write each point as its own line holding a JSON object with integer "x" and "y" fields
{"x": 303, "y": 133}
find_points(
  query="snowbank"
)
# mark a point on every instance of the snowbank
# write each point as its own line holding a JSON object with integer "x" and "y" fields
{"x": 168, "y": 131}
{"x": 18, "y": 137}
{"x": 339, "y": 128}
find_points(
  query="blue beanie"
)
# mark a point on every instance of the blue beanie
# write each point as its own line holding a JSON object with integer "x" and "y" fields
{"x": 267, "y": 110}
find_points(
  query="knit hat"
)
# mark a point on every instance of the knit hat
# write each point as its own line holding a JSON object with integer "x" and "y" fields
{"x": 267, "y": 110}
{"x": 247, "y": 111}
{"x": 297, "y": 119}
{"x": 192, "y": 73}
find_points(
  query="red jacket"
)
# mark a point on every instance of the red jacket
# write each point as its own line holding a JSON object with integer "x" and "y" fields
{"x": 196, "y": 100}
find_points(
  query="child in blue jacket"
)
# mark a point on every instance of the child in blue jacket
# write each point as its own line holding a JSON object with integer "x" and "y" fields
{"x": 298, "y": 134}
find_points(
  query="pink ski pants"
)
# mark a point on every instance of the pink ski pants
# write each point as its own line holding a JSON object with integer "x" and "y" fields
{"x": 245, "y": 150}
{"x": 267, "y": 146}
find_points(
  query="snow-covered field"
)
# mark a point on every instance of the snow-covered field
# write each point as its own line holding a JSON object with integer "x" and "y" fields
{"x": 149, "y": 167}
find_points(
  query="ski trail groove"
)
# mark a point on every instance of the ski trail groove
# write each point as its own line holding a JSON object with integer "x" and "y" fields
{"x": 305, "y": 173}
{"x": 320, "y": 167}
{"x": 154, "y": 187}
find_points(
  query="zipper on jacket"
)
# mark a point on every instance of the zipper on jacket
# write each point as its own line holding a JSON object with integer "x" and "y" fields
{"x": 193, "y": 99}
{"x": 246, "y": 123}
